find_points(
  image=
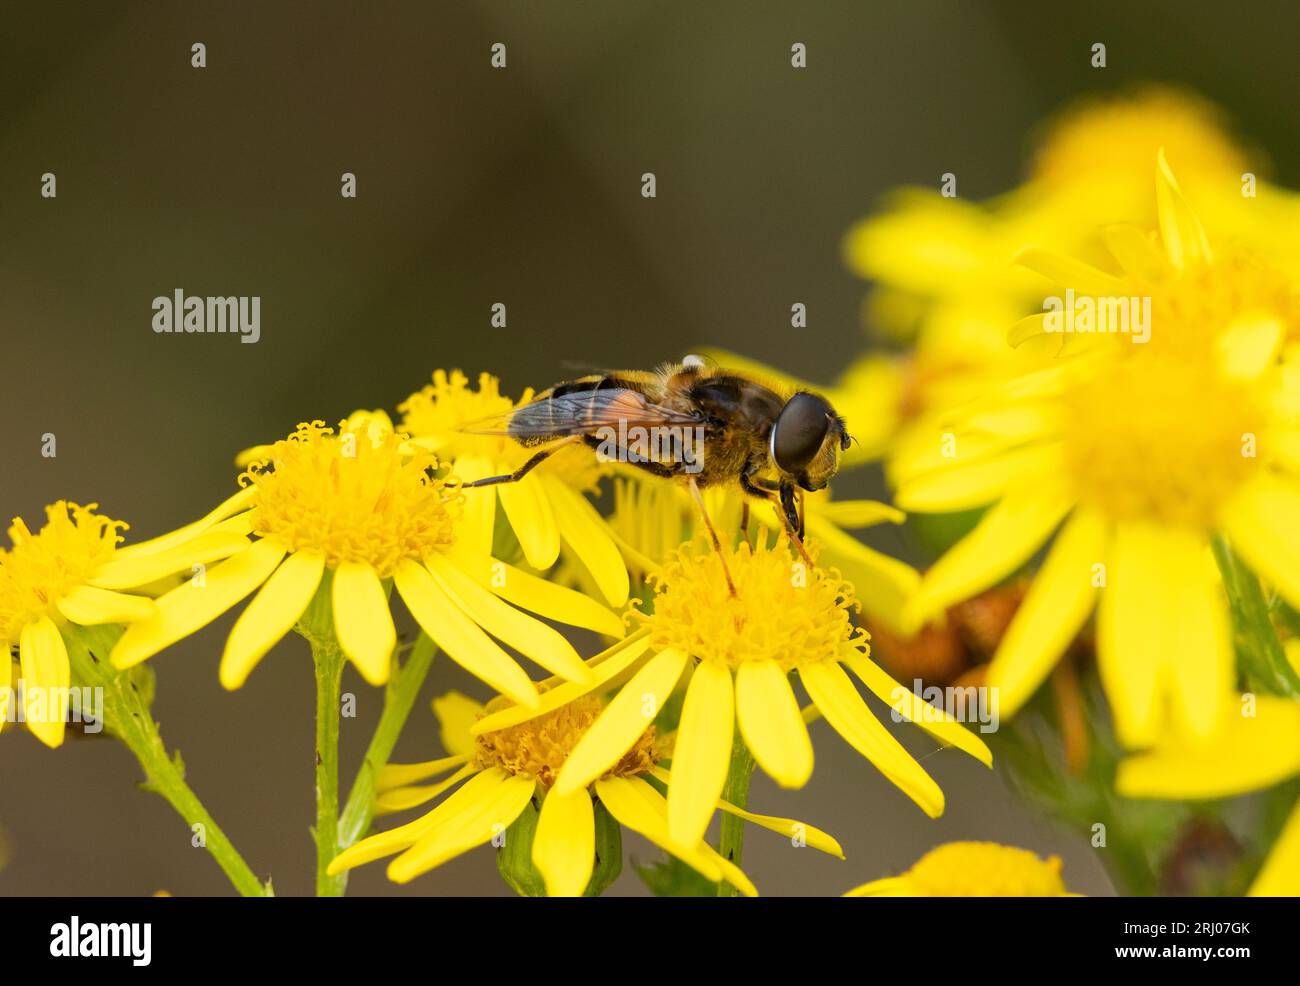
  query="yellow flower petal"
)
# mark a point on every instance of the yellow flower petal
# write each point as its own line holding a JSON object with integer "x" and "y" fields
{"x": 405, "y": 798}
{"x": 890, "y": 886}
{"x": 1184, "y": 237}
{"x": 241, "y": 501}
{"x": 1004, "y": 539}
{"x": 47, "y": 676}
{"x": 836, "y": 698}
{"x": 1069, "y": 273}
{"x": 587, "y": 535}
{"x": 456, "y": 714}
{"x": 479, "y": 510}
{"x": 90, "y": 606}
{"x": 197, "y": 603}
{"x": 532, "y": 520}
{"x": 798, "y": 832}
{"x": 1201, "y": 661}
{"x": 271, "y": 614}
{"x": 1263, "y": 524}
{"x": 1248, "y": 753}
{"x": 771, "y": 724}
{"x": 1135, "y": 252}
{"x": 1059, "y": 601}
{"x": 137, "y": 569}
{"x": 1133, "y": 628}
{"x": 536, "y": 595}
{"x": 363, "y": 621}
{"x": 702, "y": 752}
{"x": 383, "y": 844}
{"x": 483, "y": 808}
{"x": 617, "y": 661}
{"x": 639, "y": 807}
{"x": 622, "y": 722}
{"x": 935, "y": 721}
{"x": 530, "y": 637}
{"x": 1163, "y": 624}
{"x": 732, "y": 873}
{"x": 458, "y": 636}
{"x": 1029, "y": 328}
{"x": 858, "y": 514}
{"x": 394, "y": 775}
{"x": 564, "y": 845}
{"x": 964, "y": 485}
{"x": 984, "y": 434}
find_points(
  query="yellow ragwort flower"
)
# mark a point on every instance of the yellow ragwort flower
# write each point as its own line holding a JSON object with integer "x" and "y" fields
{"x": 651, "y": 519}
{"x": 944, "y": 271}
{"x": 737, "y": 651}
{"x": 973, "y": 869}
{"x": 1251, "y": 752}
{"x": 546, "y": 508}
{"x": 61, "y": 575}
{"x": 359, "y": 508}
{"x": 503, "y": 770}
{"x": 1140, "y": 450}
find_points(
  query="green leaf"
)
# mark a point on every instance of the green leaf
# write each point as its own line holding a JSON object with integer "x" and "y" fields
{"x": 670, "y": 877}
{"x": 1263, "y": 660}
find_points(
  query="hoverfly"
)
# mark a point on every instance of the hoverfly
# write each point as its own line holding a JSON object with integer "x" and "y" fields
{"x": 693, "y": 422}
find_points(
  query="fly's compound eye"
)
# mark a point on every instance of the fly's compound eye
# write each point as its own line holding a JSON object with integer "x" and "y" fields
{"x": 799, "y": 431}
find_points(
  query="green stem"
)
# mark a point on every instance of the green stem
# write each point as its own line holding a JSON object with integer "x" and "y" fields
{"x": 1262, "y": 657}
{"x": 328, "y": 659}
{"x": 736, "y": 791}
{"x": 399, "y": 698}
{"x": 128, "y": 717}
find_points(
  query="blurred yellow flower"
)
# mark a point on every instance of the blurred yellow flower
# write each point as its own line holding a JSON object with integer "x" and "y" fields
{"x": 546, "y": 508}
{"x": 58, "y": 576}
{"x": 973, "y": 869}
{"x": 944, "y": 271}
{"x": 503, "y": 770}
{"x": 737, "y": 652}
{"x": 1254, "y": 750}
{"x": 1145, "y": 449}
{"x": 352, "y": 509}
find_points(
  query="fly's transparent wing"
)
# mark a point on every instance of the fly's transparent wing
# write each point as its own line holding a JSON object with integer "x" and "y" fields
{"x": 580, "y": 413}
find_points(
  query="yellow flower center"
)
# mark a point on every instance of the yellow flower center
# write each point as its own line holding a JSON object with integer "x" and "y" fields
{"x": 441, "y": 409}
{"x": 1116, "y": 139}
{"x": 351, "y": 498}
{"x": 1163, "y": 431}
{"x": 985, "y": 869}
{"x": 438, "y": 413}
{"x": 41, "y": 568}
{"x": 782, "y": 610}
{"x": 539, "y": 747}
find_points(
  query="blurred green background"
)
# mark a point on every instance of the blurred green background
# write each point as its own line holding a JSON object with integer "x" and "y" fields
{"x": 477, "y": 186}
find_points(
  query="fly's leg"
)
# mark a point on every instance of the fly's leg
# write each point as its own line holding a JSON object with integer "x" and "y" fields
{"x": 792, "y": 521}
{"x": 713, "y": 534}
{"x": 522, "y": 471}
{"x": 744, "y": 521}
